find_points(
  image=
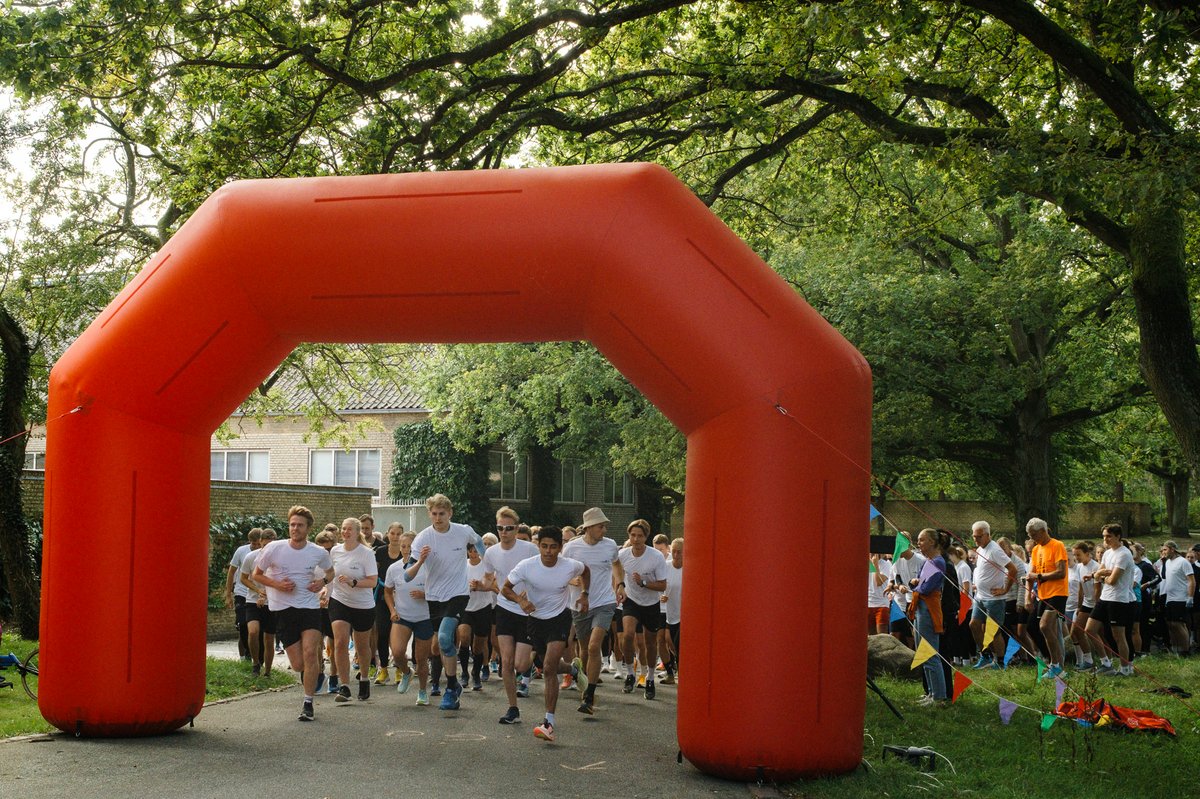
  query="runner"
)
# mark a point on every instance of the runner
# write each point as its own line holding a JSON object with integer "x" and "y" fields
{"x": 385, "y": 555}
{"x": 409, "y": 613}
{"x": 599, "y": 554}
{"x": 512, "y": 637}
{"x": 476, "y": 625}
{"x": 674, "y": 596}
{"x": 646, "y": 573}
{"x": 352, "y": 606}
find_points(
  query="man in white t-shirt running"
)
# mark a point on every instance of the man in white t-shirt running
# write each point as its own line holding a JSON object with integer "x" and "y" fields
{"x": 441, "y": 550}
{"x": 236, "y": 594}
{"x": 512, "y": 628}
{"x": 286, "y": 568}
{"x": 541, "y": 587}
{"x": 599, "y": 553}
{"x": 645, "y": 578}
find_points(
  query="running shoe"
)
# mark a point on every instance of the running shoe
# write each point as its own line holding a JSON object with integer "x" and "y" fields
{"x": 404, "y": 682}
{"x": 513, "y": 716}
{"x": 669, "y": 679}
{"x": 343, "y": 694}
{"x": 1052, "y": 672}
{"x": 1107, "y": 672}
{"x": 450, "y": 700}
{"x": 1085, "y": 665}
{"x": 306, "y": 711}
{"x": 984, "y": 661}
{"x": 333, "y": 684}
{"x": 364, "y": 690}
{"x": 435, "y": 690}
{"x": 320, "y": 681}
{"x": 381, "y": 676}
{"x": 566, "y": 682}
{"x": 255, "y": 670}
{"x": 523, "y": 689}
{"x": 650, "y": 688}
{"x": 485, "y": 672}
{"x": 545, "y": 731}
{"x": 477, "y": 685}
{"x": 586, "y": 707}
{"x": 606, "y": 666}
{"x": 422, "y": 697}
{"x": 630, "y": 683}
{"x": 581, "y": 679}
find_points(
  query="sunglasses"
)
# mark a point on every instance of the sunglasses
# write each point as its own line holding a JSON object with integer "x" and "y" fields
{"x": 505, "y": 528}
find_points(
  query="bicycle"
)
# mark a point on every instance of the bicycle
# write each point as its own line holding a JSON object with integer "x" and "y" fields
{"x": 27, "y": 669}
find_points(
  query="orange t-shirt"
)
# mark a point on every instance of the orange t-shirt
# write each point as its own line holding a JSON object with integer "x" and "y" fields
{"x": 1044, "y": 558}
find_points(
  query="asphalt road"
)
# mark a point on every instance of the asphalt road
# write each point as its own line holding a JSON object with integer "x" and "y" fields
{"x": 386, "y": 746}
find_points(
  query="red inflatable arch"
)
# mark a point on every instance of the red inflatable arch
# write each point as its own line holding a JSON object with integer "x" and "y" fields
{"x": 623, "y": 256}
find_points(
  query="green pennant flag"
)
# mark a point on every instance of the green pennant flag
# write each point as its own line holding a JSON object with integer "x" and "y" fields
{"x": 1041, "y": 668}
{"x": 902, "y": 545}
{"x": 1048, "y": 721}
{"x": 871, "y": 566}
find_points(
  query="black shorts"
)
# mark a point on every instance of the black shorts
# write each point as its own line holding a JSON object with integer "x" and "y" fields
{"x": 648, "y": 616}
{"x": 1117, "y": 614}
{"x": 480, "y": 621}
{"x": 362, "y": 620}
{"x": 239, "y": 612}
{"x": 326, "y": 623}
{"x": 1056, "y": 603}
{"x": 290, "y": 623}
{"x": 452, "y": 608}
{"x": 547, "y": 631}
{"x": 514, "y": 625}
{"x": 1011, "y": 616}
{"x": 422, "y": 630}
{"x": 261, "y": 614}
{"x": 1178, "y": 612}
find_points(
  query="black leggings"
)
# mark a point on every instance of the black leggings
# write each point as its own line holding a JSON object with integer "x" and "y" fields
{"x": 383, "y": 631}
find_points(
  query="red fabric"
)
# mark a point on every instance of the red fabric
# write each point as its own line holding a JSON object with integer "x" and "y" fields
{"x": 961, "y": 683}
{"x": 1130, "y": 719}
{"x": 964, "y": 607}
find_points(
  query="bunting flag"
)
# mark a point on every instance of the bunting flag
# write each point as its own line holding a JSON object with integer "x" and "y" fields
{"x": 1041, "y": 668}
{"x": 1060, "y": 688}
{"x": 902, "y": 545}
{"x": 874, "y": 512}
{"x": 896, "y": 613}
{"x": 961, "y": 683}
{"x": 964, "y": 607}
{"x": 871, "y": 566}
{"x": 924, "y": 652}
{"x": 1007, "y": 709}
{"x": 1048, "y": 720}
{"x": 989, "y": 633}
{"x": 1014, "y": 646}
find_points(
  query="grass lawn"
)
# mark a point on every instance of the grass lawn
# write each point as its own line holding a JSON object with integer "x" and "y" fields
{"x": 992, "y": 760}
{"x": 19, "y": 714}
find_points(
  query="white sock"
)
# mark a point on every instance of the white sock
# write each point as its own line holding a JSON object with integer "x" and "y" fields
{"x": 1079, "y": 654}
{"x": 550, "y": 718}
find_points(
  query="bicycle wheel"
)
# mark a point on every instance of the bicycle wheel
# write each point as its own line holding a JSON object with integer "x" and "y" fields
{"x": 29, "y": 675}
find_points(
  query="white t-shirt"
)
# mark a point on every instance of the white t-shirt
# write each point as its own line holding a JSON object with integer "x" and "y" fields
{"x": 357, "y": 564}
{"x": 239, "y": 555}
{"x": 991, "y": 571}
{"x": 279, "y": 560}
{"x": 546, "y": 586}
{"x": 1122, "y": 590}
{"x": 907, "y": 570}
{"x": 674, "y": 592}
{"x": 962, "y": 570}
{"x": 478, "y": 600}
{"x": 247, "y": 569}
{"x": 875, "y": 596}
{"x": 650, "y": 566}
{"x": 1017, "y": 592}
{"x": 599, "y": 558}
{"x": 1083, "y": 570}
{"x": 500, "y": 562}
{"x": 1175, "y": 583}
{"x": 1073, "y": 588}
{"x": 446, "y": 567}
{"x": 407, "y": 607}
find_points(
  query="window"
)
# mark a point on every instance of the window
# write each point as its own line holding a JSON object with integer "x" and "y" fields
{"x": 569, "y": 483}
{"x": 618, "y": 488}
{"x": 508, "y": 478}
{"x": 357, "y": 468}
{"x": 35, "y": 460}
{"x": 240, "y": 464}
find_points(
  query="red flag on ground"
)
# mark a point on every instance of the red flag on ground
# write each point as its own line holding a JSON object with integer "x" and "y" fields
{"x": 964, "y": 607}
{"x": 961, "y": 683}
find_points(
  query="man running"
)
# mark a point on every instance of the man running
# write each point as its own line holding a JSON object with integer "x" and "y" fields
{"x": 541, "y": 587}
{"x": 443, "y": 546}
{"x": 646, "y": 573}
{"x": 512, "y": 636}
{"x": 599, "y": 554}
{"x": 1048, "y": 574}
{"x": 286, "y": 568}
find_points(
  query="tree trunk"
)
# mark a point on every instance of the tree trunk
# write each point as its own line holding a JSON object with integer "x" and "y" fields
{"x": 15, "y": 556}
{"x": 541, "y": 487}
{"x": 1033, "y": 485}
{"x": 1177, "y": 491}
{"x": 1167, "y": 353}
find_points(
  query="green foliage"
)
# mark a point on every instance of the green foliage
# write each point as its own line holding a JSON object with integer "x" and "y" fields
{"x": 428, "y": 463}
{"x": 225, "y": 535}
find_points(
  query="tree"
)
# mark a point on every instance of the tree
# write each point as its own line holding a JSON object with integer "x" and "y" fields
{"x": 427, "y": 463}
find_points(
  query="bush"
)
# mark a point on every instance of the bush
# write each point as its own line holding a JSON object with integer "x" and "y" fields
{"x": 427, "y": 463}
{"x": 224, "y": 536}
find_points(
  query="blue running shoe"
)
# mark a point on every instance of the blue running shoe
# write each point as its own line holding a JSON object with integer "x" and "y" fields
{"x": 450, "y": 698}
{"x": 984, "y": 661}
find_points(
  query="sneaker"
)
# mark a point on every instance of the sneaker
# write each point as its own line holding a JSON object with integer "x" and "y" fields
{"x": 926, "y": 700}
{"x": 1085, "y": 665}
{"x": 566, "y": 682}
{"x": 364, "y": 690}
{"x": 1052, "y": 672}
{"x": 606, "y": 666}
{"x": 586, "y": 707}
{"x": 450, "y": 700}
{"x": 513, "y": 716}
{"x": 477, "y": 685}
{"x": 669, "y": 679}
{"x": 435, "y": 690}
{"x": 333, "y": 684}
{"x": 630, "y": 683}
{"x": 650, "y": 688}
{"x": 422, "y": 697}
{"x": 984, "y": 661}
{"x": 306, "y": 711}
{"x": 1108, "y": 671}
{"x": 545, "y": 731}
{"x": 381, "y": 676}
{"x": 581, "y": 678}
{"x": 404, "y": 682}
{"x": 485, "y": 672}
{"x": 343, "y": 694}
{"x": 256, "y": 670}
{"x": 523, "y": 690}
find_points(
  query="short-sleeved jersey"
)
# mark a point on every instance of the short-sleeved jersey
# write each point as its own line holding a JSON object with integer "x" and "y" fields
{"x": 1043, "y": 559}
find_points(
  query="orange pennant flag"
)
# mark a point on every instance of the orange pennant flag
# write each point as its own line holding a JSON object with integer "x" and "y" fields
{"x": 961, "y": 683}
{"x": 964, "y": 607}
{"x": 924, "y": 653}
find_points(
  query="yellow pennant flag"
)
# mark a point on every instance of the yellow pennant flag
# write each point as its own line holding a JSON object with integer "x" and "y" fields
{"x": 924, "y": 653}
{"x": 989, "y": 632}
